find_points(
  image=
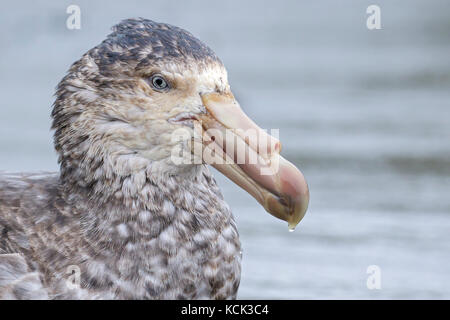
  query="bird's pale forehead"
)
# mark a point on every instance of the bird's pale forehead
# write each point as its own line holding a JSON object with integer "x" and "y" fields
{"x": 207, "y": 75}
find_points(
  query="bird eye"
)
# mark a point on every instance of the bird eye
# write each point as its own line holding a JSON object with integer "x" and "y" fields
{"x": 159, "y": 83}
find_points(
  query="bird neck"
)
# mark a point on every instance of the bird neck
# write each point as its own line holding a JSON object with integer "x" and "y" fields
{"x": 125, "y": 179}
{"x": 115, "y": 209}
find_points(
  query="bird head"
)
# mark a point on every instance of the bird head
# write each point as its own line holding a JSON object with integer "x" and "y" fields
{"x": 152, "y": 98}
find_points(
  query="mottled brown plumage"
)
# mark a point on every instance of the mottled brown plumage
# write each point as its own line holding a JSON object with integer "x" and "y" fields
{"x": 127, "y": 217}
{"x": 135, "y": 225}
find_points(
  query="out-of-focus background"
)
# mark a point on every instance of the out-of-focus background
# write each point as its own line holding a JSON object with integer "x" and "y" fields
{"x": 364, "y": 113}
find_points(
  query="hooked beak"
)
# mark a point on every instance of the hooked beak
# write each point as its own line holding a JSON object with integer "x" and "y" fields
{"x": 250, "y": 157}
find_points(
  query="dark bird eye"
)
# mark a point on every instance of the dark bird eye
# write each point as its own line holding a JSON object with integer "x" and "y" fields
{"x": 159, "y": 83}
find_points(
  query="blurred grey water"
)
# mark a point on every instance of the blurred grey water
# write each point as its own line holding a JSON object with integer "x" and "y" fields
{"x": 365, "y": 114}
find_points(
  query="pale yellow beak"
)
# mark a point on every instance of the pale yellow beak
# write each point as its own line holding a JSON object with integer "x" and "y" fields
{"x": 250, "y": 157}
